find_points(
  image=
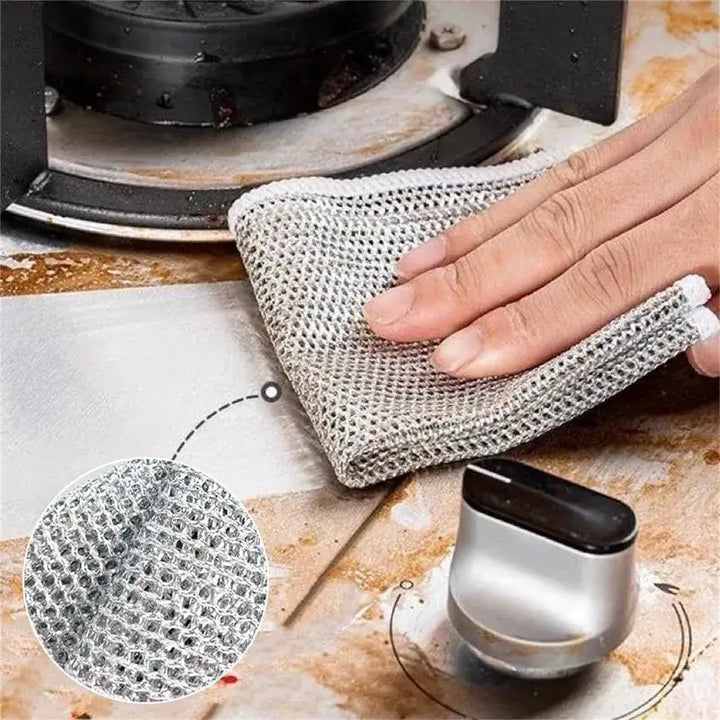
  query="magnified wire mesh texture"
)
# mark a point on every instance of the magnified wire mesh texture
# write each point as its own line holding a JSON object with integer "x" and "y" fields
{"x": 316, "y": 249}
{"x": 146, "y": 580}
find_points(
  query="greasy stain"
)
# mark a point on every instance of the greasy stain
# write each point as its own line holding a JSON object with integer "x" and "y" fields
{"x": 364, "y": 675}
{"x": 86, "y": 705}
{"x": 711, "y": 457}
{"x": 95, "y": 268}
{"x": 407, "y": 562}
{"x": 194, "y": 178}
{"x": 416, "y": 126}
{"x": 396, "y": 496}
{"x": 659, "y": 81}
{"x": 12, "y": 553}
{"x": 18, "y": 694}
{"x": 372, "y": 612}
{"x": 659, "y": 543}
{"x": 646, "y": 667}
{"x": 684, "y": 19}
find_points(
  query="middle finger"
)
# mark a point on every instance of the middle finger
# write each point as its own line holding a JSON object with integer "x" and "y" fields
{"x": 550, "y": 239}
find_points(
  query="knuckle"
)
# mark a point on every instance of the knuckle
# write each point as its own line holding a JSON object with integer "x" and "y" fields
{"x": 461, "y": 278}
{"x": 606, "y": 276}
{"x": 562, "y": 221}
{"x": 519, "y": 322}
{"x": 576, "y": 169}
{"x": 466, "y": 234}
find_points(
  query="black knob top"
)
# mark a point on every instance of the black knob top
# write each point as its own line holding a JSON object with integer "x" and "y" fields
{"x": 548, "y": 505}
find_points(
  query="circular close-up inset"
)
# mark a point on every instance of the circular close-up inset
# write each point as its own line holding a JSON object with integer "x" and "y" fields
{"x": 145, "y": 580}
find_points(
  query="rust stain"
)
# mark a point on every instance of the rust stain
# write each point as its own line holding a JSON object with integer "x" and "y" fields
{"x": 193, "y": 178}
{"x": 659, "y": 81}
{"x": 684, "y": 19}
{"x": 380, "y": 573}
{"x": 364, "y": 675}
{"x": 288, "y": 555}
{"x": 372, "y": 611}
{"x": 12, "y": 553}
{"x": 711, "y": 457}
{"x": 659, "y": 543}
{"x": 18, "y": 694}
{"x": 629, "y": 38}
{"x": 87, "y": 705}
{"x": 416, "y": 126}
{"x": 92, "y": 269}
{"x": 12, "y": 594}
{"x": 396, "y": 496}
{"x": 645, "y": 668}
{"x": 303, "y": 532}
{"x": 80, "y": 704}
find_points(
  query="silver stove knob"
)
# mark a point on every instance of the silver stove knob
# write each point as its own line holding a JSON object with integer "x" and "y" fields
{"x": 542, "y": 581}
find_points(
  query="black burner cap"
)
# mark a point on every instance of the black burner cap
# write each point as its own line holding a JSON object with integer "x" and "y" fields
{"x": 223, "y": 63}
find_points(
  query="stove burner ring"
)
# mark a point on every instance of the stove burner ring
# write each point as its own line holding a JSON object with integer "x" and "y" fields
{"x": 114, "y": 177}
{"x": 223, "y": 64}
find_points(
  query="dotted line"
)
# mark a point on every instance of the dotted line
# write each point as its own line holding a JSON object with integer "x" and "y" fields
{"x": 270, "y": 392}
{"x": 700, "y": 652}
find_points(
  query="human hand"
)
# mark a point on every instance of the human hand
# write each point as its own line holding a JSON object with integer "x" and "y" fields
{"x": 515, "y": 285}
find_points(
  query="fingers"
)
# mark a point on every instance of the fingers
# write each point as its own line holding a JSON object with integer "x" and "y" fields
{"x": 607, "y": 282}
{"x": 552, "y": 237}
{"x": 705, "y": 356}
{"x": 476, "y": 229}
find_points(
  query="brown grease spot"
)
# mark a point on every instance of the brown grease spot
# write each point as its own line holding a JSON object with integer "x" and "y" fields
{"x": 89, "y": 706}
{"x": 711, "y": 457}
{"x": 94, "y": 269}
{"x": 372, "y": 611}
{"x": 364, "y": 674}
{"x": 208, "y": 178}
{"x": 300, "y": 532}
{"x": 396, "y": 496}
{"x": 660, "y": 81}
{"x": 18, "y": 693}
{"x": 406, "y": 563}
{"x": 12, "y": 553}
{"x": 416, "y": 126}
{"x": 658, "y": 543}
{"x": 683, "y": 19}
{"x": 645, "y": 668}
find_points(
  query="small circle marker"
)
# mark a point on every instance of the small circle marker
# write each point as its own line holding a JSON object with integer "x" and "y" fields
{"x": 270, "y": 392}
{"x": 407, "y": 584}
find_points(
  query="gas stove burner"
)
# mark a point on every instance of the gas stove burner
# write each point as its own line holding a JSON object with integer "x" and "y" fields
{"x": 222, "y": 64}
{"x": 138, "y": 92}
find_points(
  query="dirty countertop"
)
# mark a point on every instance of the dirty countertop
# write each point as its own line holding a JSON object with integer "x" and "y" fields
{"x": 654, "y": 445}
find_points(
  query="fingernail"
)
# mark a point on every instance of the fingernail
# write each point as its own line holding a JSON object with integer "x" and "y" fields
{"x": 458, "y": 350}
{"x": 391, "y": 305}
{"x": 428, "y": 255}
{"x": 705, "y": 356}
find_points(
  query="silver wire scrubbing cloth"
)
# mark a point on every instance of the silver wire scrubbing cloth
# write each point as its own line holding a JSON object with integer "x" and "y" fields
{"x": 316, "y": 249}
{"x": 146, "y": 581}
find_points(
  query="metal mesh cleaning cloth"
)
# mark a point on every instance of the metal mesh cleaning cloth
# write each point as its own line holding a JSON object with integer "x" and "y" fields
{"x": 146, "y": 580}
{"x": 316, "y": 249}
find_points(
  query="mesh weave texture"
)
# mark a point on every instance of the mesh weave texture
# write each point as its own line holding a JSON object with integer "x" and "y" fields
{"x": 145, "y": 582}
{"x": 316, "y": 249}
